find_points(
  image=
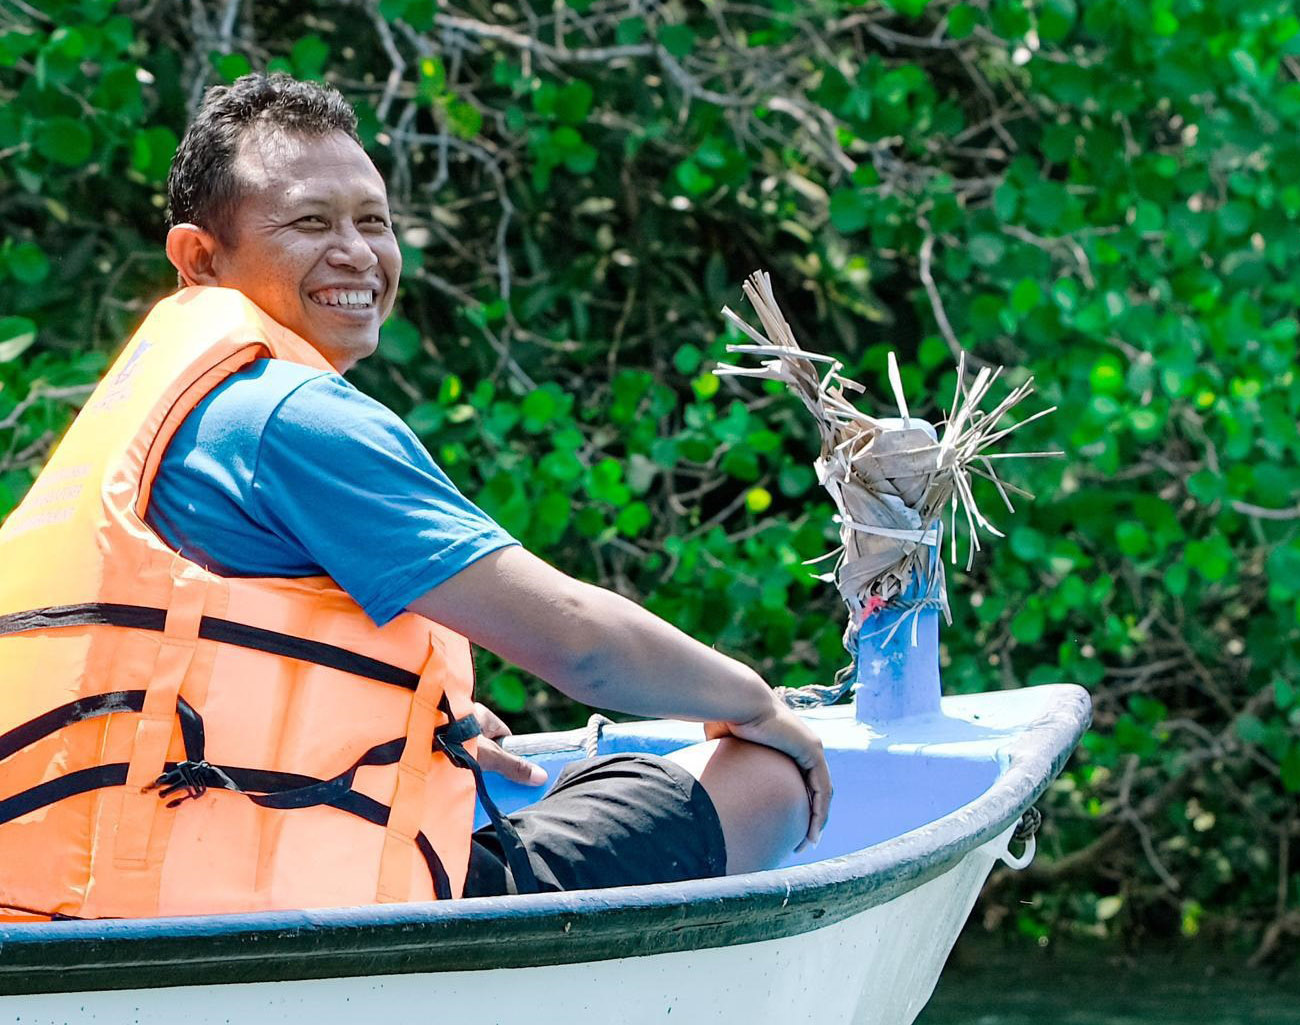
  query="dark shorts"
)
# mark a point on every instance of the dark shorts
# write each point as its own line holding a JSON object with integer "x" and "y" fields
{"x": 616, "y": 820}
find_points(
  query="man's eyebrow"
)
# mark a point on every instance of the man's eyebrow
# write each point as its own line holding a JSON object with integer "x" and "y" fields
{"x": 319, "y": 199}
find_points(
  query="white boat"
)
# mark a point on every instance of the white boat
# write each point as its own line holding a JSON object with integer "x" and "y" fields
{"x": 856, "y": 930}
{"x": 928, "y": 796}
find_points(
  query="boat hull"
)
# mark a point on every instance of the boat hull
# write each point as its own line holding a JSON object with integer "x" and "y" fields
{"x": 878, "y": 967}
{"x": 855, "y": 932}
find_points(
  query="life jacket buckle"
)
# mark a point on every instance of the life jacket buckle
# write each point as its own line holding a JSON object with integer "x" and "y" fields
{"x": 451, "y": 736}
{"x": 192, "y": 777}
{"x": 454, "y": 751}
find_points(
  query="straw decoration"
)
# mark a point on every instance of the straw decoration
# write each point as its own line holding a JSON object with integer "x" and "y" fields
{"x": 891, "y": 483}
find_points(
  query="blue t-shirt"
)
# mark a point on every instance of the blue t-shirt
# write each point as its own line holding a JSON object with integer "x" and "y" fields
{"x": 288, "y": 471}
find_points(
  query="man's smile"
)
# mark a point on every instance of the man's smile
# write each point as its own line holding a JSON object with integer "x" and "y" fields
{"x": 353, "y": 299}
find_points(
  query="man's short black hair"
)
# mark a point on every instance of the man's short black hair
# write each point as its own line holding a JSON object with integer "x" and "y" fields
{"x": 202, "y": 187}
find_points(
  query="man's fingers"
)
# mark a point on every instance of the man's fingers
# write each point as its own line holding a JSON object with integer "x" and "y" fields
{"x": 819, "y": 803}
{"x": 817, "y": 779}
{"x": 489, "y": 722}
{"x": 518, "y": 770}
{"x": 819, "y": 792}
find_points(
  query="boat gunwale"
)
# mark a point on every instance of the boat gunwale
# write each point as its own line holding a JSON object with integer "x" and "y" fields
{"x": 538, "y": 929}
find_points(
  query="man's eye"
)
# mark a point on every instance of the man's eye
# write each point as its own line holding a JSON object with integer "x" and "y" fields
{"x": 377, "y": 220}
{"x": 311, "y": 221}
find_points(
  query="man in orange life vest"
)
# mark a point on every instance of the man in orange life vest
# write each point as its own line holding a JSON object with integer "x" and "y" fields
{"x": 272, "y": 552}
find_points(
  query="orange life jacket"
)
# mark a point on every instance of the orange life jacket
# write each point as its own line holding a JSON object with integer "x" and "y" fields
{"x": 176, "y": 742}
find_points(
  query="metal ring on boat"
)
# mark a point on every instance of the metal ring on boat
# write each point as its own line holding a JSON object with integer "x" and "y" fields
{"x": 1017, "y": 864}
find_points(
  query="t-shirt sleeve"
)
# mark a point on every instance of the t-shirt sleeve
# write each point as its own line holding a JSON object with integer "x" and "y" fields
{"x": 343, "y": 477}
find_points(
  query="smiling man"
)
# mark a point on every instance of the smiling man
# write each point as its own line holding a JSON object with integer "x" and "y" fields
{"x": 301, "y": 227}
{"x": 296, "y": 617}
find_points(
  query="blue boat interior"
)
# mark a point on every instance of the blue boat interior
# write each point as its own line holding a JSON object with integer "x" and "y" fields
{"x": 886, "y": 783}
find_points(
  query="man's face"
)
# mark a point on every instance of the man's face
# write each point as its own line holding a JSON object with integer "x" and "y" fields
{"x": 312, "y": 242}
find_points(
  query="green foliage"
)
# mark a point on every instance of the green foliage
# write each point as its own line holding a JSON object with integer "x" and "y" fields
{"x": 1101, "y": 194}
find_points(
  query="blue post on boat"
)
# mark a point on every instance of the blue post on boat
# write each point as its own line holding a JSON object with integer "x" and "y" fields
{"x": 894, "y": 678}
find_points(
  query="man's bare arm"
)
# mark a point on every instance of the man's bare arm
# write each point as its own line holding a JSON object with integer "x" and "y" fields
{"x": 592, "y": 644}
{"x": 603, "y": 650}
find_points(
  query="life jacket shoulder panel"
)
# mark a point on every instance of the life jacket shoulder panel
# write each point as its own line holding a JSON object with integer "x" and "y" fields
{"x": 175, "y": 742}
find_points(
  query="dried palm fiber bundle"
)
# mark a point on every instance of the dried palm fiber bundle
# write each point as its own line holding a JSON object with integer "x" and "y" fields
{"x": 890, "y": 478}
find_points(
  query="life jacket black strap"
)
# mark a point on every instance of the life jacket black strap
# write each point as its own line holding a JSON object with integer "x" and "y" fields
{"x": 70, "y": 784}
{"x": 65, "y": 715}
{"x": 452, "y": 740}
{"x": 225, "y": 631}
{"x": 372, "y": 811}
{"x": 93, "y": 707}
{"x": 195, "y": 775}
{"x": 114, "y": 775}
{"x": 278, "y": 790}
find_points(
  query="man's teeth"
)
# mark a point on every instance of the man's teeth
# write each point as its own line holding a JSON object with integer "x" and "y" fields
{"x": 342, "y": 297}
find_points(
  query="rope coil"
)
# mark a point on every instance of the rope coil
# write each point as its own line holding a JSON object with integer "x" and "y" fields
{"x": 1029, "y": 824}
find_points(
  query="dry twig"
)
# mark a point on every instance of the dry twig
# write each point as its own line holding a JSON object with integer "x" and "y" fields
{"x": 891, "y": 480}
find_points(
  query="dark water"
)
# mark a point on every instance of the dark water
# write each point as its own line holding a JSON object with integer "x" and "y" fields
{"x": 989, "y": 984}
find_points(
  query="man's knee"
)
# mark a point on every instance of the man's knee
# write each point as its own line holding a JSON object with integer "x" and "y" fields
{"x": 775, "y": 778}
{"x": 760, "y": 772}
{"x": 759, "y": 795}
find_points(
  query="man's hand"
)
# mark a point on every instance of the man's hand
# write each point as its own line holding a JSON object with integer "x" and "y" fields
{"x": 778, "y": 727}
{"x": 492, "y": 758}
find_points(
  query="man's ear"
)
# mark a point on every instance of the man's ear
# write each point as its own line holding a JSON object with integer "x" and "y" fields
{"x": 193, "y": 252}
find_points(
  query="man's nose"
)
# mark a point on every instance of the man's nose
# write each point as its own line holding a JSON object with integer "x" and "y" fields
{"x": 352, "y": 249}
